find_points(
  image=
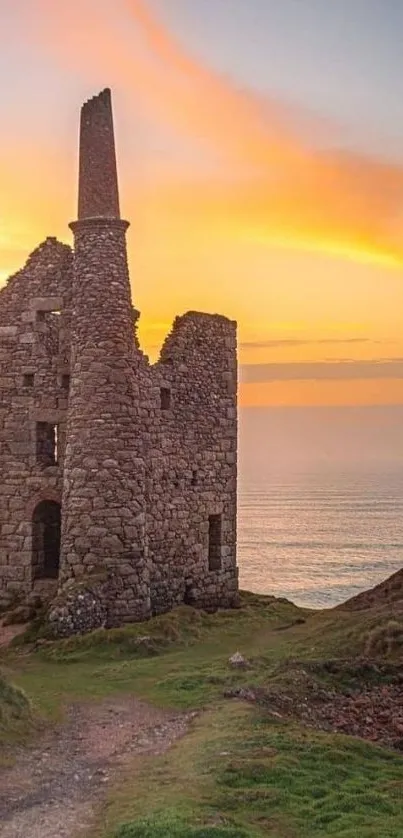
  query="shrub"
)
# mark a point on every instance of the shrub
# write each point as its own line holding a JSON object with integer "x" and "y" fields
{"x": 385, "y": 640}
{"x": 14, "y": 706}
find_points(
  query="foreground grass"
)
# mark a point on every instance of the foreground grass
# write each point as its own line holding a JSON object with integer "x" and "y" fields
{"x": 241, "y": 774}
{"x": 238, "y": 773}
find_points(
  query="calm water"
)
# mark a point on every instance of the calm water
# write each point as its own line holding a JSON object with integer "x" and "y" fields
{"x": 319, "y": 539}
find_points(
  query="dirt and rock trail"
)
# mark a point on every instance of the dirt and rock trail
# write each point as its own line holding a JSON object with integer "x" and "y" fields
{"x": 55, "y": 788}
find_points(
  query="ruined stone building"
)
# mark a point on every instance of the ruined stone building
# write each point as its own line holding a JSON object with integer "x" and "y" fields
{"x": 109, "y": 463}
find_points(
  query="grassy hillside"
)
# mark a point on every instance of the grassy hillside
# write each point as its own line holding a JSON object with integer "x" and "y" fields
{"x": 263, "y": 756}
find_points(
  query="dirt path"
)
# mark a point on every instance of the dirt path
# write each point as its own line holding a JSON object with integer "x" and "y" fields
{"x": 54, "y": 789}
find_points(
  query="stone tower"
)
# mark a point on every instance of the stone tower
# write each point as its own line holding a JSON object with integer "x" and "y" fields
{"x": 103, "y": 502}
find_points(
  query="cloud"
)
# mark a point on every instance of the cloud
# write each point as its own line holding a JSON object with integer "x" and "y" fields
{"x": 391, "y": 368}
{"x": 338, "y": 201}
{"x": 277, "y": 344}
{"x": 261, "y": 180}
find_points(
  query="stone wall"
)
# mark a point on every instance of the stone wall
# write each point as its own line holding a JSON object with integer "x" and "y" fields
{"x": 34, "y": 382}
{"x": 192, "y": 464}
{"x": 151, "y": 451}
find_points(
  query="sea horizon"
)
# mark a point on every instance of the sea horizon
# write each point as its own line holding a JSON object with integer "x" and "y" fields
{"x": 320, "y": 501}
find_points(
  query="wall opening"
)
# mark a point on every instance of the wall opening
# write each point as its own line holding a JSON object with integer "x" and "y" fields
{"x": 46, "y": 540}
{"x": 165, "y": 398}
{"x": 45, "y": 314}
{"x": 46, "y": 444}
{"x": 194, "y": 477}
{"x": 29, "y": 379}
{"x": 214, "y": 542}
{"x": 65, "y": 382}
{"x": 189, "y": 597}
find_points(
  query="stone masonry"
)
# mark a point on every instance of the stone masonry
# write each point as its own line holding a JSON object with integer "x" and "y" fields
{"x": 112, "y": 469}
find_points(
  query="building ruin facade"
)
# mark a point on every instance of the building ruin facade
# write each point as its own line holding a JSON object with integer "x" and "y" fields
{"x": 109, "y": 462}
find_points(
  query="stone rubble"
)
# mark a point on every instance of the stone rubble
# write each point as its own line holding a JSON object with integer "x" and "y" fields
{"x": 368, "y": 710}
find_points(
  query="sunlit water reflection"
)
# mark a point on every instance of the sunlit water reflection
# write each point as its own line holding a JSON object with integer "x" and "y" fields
{"x": 319, "y": 539}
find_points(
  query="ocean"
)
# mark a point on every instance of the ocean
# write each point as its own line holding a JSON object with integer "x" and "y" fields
{"x": 319, "y": 538}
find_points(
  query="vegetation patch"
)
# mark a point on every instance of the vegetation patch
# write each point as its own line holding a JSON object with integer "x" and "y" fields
{"x": 15, "y": 712}
{"x": 385, "y": 640}
{"x": 374, "y": 632}
{"x": 174, "y": 826}
{"x": 183, "y": 625}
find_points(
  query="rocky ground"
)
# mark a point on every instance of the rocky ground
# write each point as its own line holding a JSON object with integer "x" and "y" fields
{"x": 54, "y": 789}
{"x": 365, "y": 709}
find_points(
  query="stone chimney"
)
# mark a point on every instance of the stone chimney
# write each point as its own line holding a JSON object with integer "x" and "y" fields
{"x": 103, "y": 504}
{"x": 98, "y": 194}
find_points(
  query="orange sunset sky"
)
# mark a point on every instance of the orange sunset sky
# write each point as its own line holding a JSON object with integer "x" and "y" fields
{"x": 260, "y": 155}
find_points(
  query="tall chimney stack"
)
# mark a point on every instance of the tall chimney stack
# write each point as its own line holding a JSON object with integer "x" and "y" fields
{"x": 98, "y": 194}
{"x": 103, "y": 503}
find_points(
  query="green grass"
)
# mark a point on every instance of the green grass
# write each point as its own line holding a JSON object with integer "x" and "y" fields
{"x": 238, "y": 773}
{"x": 15, "y": 714}
{"x": 184, "y": 661}
{"x": 175, "y": 826}
{"x": 184, "y": 664}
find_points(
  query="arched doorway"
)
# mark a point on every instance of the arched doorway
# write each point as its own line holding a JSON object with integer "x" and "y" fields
{"x": 46, "y": 540}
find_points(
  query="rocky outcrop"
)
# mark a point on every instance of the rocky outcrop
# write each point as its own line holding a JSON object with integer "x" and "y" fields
{"x": 81, "y": 607}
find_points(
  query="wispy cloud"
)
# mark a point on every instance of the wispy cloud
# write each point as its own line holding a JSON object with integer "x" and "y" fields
{"x": 289, "y": 342}
{"x": 323, "y": 371}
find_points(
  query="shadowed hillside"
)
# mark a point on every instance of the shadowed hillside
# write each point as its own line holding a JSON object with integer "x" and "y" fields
{"x": 389, "y": 592}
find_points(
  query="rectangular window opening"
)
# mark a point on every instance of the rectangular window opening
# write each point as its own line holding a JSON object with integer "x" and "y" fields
{"x": 29, "y": 379}
{"x": 165, "y": 398}
{"x": 46, "y": 443}
{"x": 65, "y": 382}
{"x": 214, "y": 542}
{"x": 44, "y": 314}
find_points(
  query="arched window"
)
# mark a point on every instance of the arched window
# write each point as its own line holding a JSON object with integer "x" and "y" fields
{"x": 46, "y": 540}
